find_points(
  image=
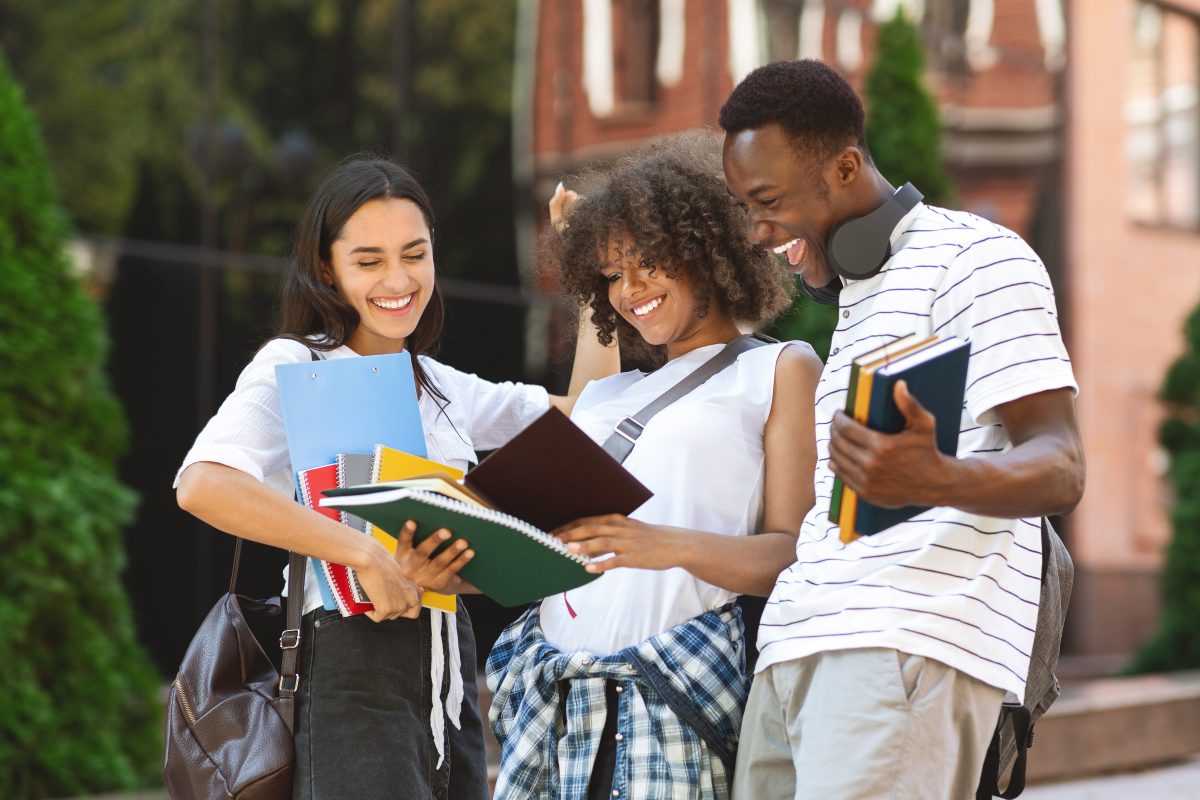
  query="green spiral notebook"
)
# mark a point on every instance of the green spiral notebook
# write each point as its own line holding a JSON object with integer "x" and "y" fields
{"x": 515, "y": 562}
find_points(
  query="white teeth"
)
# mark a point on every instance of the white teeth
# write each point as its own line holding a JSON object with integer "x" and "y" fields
{"x": 393, "y": 305}
{"x": 783, "y": 248}
{"x": 646, "y": 308}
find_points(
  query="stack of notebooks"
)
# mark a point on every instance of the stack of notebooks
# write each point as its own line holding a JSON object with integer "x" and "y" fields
{"x": 354, "y": 430}
{"x": 935, "y": 371}
{"x": 356, "y": 469}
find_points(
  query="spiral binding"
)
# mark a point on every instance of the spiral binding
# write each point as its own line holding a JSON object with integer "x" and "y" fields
{"x": 492, "y": 515}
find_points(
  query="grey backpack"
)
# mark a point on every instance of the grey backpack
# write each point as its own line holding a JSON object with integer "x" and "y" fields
{"x": 1014, "y": 730}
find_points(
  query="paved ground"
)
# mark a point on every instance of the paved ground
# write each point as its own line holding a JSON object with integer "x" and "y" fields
{"x": 1176, "y": 782}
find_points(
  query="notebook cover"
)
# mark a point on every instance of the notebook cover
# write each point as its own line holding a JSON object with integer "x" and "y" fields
{"x": 338, "y": 577}
{"x": 939, "y": 384}
{"x": 355, "y": 469}
{"x": 849, "y": 515}
{"x": 390, "y": 464}
{"x": 509, "y": 566}
{"x": 551, "y": 473}
{"x": 347, "y": 405}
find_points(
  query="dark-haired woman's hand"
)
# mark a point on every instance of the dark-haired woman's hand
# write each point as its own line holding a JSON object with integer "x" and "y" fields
{"x": 632, "y": 543}
{"x": 437, "y": 572}
{"x": 392, "y": 592}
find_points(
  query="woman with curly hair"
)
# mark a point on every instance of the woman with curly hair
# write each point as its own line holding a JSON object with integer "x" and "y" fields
{"x": 633, "y": 685}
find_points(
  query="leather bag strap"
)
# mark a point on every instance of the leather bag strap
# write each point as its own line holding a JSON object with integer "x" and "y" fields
{"x": 620, "y": 442}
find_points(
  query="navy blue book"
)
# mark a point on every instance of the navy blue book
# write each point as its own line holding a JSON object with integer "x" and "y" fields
{"x": 937, "y": 377}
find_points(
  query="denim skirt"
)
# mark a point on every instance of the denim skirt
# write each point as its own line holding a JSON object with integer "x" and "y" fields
{"x": 362, "y": 713}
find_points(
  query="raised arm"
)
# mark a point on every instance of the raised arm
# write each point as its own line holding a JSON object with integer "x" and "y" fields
{"x": 592, "y": 359}
{"x": 742, "y": 564}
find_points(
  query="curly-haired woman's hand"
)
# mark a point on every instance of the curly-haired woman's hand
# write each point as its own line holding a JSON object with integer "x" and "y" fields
{"x": 561, "y": 203}
{"x": 437, "y": 572}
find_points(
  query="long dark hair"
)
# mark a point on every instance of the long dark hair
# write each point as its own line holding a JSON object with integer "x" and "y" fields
{"x": 311, "y": 307}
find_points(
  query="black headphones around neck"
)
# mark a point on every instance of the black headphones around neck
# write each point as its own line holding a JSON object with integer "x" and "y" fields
{"x": 858, "y": 247}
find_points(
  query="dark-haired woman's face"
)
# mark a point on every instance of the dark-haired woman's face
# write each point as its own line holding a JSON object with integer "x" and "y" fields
{"x": 664, "y": 310}
{"x": 382, "y": 266}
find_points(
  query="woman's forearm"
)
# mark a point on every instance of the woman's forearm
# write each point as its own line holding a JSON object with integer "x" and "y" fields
{"x": 742, "y": 564}
{"x": 235, "y": 502}
{"x": 592, "y": 359}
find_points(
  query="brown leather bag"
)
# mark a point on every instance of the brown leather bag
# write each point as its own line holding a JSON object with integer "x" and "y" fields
{"x": 229, "y": 714}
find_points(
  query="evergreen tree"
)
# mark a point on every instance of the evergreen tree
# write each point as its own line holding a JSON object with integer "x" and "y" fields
{"x": 1176, "y": 645}
{"x": 78, "y": 712}
{"x": 904, "y": 133}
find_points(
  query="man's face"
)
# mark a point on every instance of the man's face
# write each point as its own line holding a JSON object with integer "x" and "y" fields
{"x": 788, "y": 197}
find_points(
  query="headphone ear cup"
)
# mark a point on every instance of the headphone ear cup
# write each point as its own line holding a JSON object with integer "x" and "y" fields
{"x": 858, "y": 247}
{"x": 856, "y": 250}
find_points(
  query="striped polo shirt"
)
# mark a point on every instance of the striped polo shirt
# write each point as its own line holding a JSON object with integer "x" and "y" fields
{"x": 956, "y": 587}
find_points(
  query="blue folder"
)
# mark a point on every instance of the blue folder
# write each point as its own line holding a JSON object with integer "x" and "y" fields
{"x": 348, "y": 405}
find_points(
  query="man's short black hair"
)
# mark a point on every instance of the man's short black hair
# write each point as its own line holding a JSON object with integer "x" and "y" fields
{"x": 810, "y": 100}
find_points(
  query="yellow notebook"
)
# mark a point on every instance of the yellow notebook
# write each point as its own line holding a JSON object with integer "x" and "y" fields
{"x": 394, "y": 465}
{"x": 862, "y": 402}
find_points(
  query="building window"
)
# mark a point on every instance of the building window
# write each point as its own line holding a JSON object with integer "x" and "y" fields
{"x": 636, "y": 51}
{"x": 1162, "y": 117}
{"x": 781, "y": 28}
{"x": 944, "y": 29}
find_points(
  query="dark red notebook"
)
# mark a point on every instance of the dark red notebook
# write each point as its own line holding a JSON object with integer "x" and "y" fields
{"x": 551, "y": 473}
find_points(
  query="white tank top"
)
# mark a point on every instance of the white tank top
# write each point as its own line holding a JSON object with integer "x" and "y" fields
{"x": 702, "y": 457}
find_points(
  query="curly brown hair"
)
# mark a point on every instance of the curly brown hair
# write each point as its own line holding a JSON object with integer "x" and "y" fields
{"x": 669, "y": 202}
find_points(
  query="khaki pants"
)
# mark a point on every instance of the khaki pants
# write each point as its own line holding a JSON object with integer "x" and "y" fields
{"x": 861, "y": 724}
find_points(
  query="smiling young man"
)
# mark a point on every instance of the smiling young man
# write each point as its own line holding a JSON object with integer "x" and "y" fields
{"x": 883, "y": 662}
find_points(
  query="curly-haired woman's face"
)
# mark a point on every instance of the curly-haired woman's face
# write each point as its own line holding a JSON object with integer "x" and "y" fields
{"x": 663, "y": 309}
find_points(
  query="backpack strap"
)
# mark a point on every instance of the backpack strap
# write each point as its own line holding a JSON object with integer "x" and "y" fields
{"x": 620, "y": 442}
{"x": 1022, "y": 722}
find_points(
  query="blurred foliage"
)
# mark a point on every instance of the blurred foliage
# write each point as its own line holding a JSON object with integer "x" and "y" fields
{"x": 79, "y": 713}
{"x": 109, "y": 83}
{"x": 904, "y": 132}
{"x": 1176, "y": 644}
{"x": 300, "y": 86}
{"x": 807, "y": 321}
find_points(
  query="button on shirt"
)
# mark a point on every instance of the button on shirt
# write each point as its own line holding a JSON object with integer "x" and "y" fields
{"x": 957, "y": 587}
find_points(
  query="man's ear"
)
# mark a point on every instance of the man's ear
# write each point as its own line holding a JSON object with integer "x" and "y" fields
{"x": 848, "y": 164}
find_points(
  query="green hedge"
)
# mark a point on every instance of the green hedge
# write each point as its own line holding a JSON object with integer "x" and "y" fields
{"x": 78, "y": 712}
{"x": 1176, "y": 645}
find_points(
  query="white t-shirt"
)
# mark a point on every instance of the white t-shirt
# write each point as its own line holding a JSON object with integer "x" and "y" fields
{"x": 703, "y": 458}
{"x": 956, "y": 587}
{"x": 247, "y": 431}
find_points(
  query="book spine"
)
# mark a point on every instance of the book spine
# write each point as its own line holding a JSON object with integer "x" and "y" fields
{"x": 835, "y": 498}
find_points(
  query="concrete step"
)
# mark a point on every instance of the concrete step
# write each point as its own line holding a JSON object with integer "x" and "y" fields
{"x": 1108, "y": 725}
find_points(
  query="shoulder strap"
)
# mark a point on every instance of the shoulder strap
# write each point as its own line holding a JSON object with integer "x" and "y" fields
{"x": 625, "y": 434}
{"x": 289, "y": 640}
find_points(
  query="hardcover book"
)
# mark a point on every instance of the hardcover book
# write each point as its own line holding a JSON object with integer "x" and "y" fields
{"x": 936, "y": 375}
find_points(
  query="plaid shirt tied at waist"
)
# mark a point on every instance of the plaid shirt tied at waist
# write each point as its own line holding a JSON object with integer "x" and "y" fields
{"x": 681, "y": 697}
